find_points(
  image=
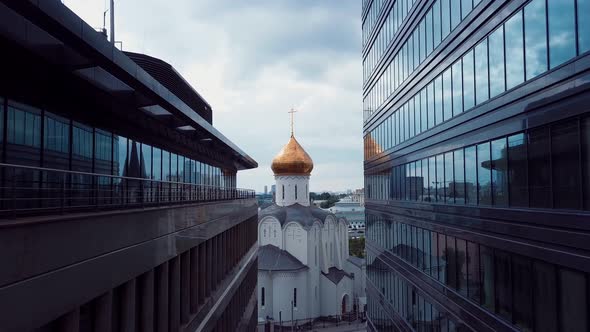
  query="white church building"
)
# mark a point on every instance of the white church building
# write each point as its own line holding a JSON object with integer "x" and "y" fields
{"x": 304, "y": 269}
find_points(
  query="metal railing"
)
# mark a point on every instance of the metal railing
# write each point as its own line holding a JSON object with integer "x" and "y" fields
{"x": 27, "y": 190}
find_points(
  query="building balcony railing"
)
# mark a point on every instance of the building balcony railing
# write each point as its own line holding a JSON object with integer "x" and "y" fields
{"x": 30, "y": 190}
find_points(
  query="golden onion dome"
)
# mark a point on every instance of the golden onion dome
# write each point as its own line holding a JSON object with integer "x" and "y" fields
{"x": 292, "y": 160}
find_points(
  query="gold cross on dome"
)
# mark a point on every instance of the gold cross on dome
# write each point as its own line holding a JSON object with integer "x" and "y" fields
{"x": 292, "y": 112}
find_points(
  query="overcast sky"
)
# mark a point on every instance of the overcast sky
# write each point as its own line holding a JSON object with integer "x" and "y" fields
{"x": 252, "y": 61}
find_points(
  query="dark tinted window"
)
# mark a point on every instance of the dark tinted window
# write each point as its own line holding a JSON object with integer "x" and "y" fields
{"x": 573, "y": 301}
{"x": 146, "y": 161}
{"x": 461, "y": 262}
{"x": 459, "y": 182}
{"x": 423, "y": 111}
{"x": 496, "y": 49}
{"x": 484, "y": 174}
{"x": 449, "y": 184}
{"x": 565, "y": 154}
{"x": 481, "y": 72}
{"x": 562, "y": 43}
{"x": 438, "y": 99}
{"x": 447, "y": 89}
{"x": 514, "y": 51}
{"x": 157, "y": 164}
{"x": 468, "y": 81}
{"x": 426, "y": 181}
{"x": 431, "y": 110}
{"x": 457, "y": 88}
{"x": 470, "y": 175}
{"x": 56, "y": 142}
{"x": 487, "y": 277}
{"x": 584, "y": 25}
{"x": 503, "y": 284}
{"x": 23, "y": 125}
{"x": 499, "y": 172}
{"x": 535, "y": 38}
{"x": 544, "y": 288}
{"x": 452, "y": 264}
{"x": 523, "y": 295}
{"x": 440, "y": 178}
{"x": 539, "y": 168}
{"x": 442, "y": 259}
{"x": 120, "y": 155}
{"x": 473, "y": 271}
{"x": 518, "y": 177}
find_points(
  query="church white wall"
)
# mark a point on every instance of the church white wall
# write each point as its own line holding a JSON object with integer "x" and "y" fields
{"x": 290, "y": 183}
{"x": 313, "y": 250}
{"x": 269, "y": 232}
{"x": 359, "y": 283}
{"x": 284, "y": 283}
{"x": 330, "y": 246}
{"x": 332, "y": 296}
{"x": 295, "y": 241}
{"x": 265, "y": 280}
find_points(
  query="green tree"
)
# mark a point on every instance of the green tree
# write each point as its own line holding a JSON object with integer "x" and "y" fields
{"x": 357, "y": 247}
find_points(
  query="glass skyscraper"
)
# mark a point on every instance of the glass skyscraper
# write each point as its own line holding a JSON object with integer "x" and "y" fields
{"x": 477, "y": 164}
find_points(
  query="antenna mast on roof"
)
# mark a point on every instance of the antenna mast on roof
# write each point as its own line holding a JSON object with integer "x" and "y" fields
{"x": 112, "y": 10}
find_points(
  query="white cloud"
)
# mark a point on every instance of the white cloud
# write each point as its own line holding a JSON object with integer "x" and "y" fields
{"x": 253, "y": 61}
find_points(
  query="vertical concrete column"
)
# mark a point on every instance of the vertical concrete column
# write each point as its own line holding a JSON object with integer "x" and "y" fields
{"x": 103, "y": 312}
{"x": 174, "y": 293}
{"x": 209, "y": 268}
{"x": 128, "y": 306}
{"x": 185, "y": 287}
{"x": 161, "y": 308}
{"x": 225, "y": 254}
{"x": 146, "y": 311}
{"x": 70, "y": 322}
{"x": 201, "y": 273}
{"x": 194, "y": 277}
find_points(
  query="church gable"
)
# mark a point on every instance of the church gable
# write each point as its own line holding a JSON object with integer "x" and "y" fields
{"x": 295, "y": 241}
{"x": 269, "y": 232}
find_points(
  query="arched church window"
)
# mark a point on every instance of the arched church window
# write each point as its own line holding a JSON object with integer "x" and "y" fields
{"x": 295, "y": 191}
{"x": 265, "y": 232}
{"x": 262, "y": 296}
{"x": 295, "y": 297}
{"x": 283, "y": 191}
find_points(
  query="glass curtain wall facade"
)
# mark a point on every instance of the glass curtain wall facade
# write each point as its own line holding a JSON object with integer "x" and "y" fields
{"x": 477, "y": 164}
{"x": 39, "y": 138}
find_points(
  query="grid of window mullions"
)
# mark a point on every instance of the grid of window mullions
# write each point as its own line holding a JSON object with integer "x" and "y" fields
{"x": 428, "y": 39}
{"x": 544, "y": 167}
{"x": 528, "y": 57}
{"x": 395, "y": 17}
{"x": 406, "y": 301}
{"x": 526, "y": 292}
{"x": 61, "y": 143}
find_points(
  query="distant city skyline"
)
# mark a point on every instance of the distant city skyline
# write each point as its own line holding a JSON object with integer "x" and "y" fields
{"x": 253, "y": 74}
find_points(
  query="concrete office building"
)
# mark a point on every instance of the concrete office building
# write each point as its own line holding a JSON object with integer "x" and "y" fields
{"x": 477, "y": 164}
{"x": 118, "y": 202}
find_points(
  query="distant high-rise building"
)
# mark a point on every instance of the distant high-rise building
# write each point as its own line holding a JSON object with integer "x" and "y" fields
{"x": 273, "y": 188}
{"x": 112, "y": 180}
{"x": 477, "y": 164}
{"x": 266, "y": 190}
